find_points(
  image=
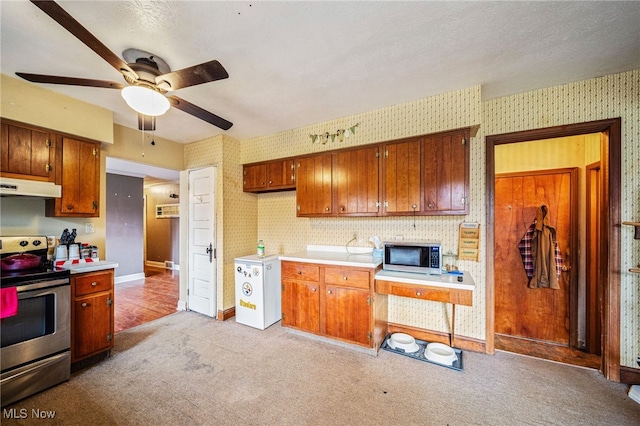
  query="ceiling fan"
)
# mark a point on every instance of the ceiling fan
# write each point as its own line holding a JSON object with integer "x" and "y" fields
{"x": 144, "y": 72}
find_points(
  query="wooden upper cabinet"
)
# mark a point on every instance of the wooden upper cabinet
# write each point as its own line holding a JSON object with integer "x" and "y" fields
{"x": 313, "y": 185}
{"x": 78, "y": 165}
{"x": 356, "y": 181}
{"x": 281, "y": 174}
{"x": 254, "y": 177}
{"x": 27, "y": 153}
{"x": 446, "y": 173}
{"x": 275, "y": 175}
{"x": 401, "y": 180}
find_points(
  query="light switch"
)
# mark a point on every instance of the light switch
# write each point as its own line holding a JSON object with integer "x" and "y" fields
{"x": 88, "y": 228}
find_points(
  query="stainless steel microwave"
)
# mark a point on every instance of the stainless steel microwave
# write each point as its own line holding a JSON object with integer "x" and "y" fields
{"x": 421, "y": 257}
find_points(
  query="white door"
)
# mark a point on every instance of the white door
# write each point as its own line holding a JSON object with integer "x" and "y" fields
{"x": 201, "y": 296}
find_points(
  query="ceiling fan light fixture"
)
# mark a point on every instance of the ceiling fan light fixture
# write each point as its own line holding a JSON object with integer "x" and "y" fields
{"x": 145, "y": 100}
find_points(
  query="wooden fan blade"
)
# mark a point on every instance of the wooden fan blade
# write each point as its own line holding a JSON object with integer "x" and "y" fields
{"x": 59, "y": 15}
{"x": 200, "y": 113}
{"x": 191, "y": 76}
{"x": 71, "y": 81}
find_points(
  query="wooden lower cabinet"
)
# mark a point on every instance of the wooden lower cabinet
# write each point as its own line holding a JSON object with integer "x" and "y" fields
{"x": 91, "y": 314}
{"x": 332, "y": 301}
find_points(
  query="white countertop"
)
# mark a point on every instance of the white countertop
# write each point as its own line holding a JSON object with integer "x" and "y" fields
{"x": 335, "y": 255}
{"x": 442, "y": 280}
{"x": 81, "y": 268}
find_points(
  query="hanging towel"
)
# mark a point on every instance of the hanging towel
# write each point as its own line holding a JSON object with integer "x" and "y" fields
{"x": 8, "y": 302}
{"x": 540, "y": 253}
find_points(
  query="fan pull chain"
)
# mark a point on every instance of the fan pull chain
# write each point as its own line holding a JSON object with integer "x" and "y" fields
{"x": 143, "y": 140}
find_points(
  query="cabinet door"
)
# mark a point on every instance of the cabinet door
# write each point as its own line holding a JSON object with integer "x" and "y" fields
{"x": 26, "y": 153}
{"x": 255, "y": 177}
{"x": 301, "y": 305}
{"x": 445, "y": 172}
{"x": 313, "y": 187}
{"x": 401, "y": 164}
{"x": 92, "y": 325}
{"x": 80, "y": 179}
{"x": 356, "y": 181}
{"x": 347, "y": 314}
{"x": 280, "y": 174}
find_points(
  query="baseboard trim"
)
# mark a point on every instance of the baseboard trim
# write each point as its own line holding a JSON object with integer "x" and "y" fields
{"x": 182, "y": 305}
{"x": 127, "y": 278}
{"x": 226, "y": 314}
{"x": 550, "y": 351}
{"x": 460, "y": 342}
{"x": 629, "y": 375}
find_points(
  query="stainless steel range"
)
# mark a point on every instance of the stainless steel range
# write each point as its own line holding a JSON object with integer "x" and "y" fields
{"x": 36, "y": 339}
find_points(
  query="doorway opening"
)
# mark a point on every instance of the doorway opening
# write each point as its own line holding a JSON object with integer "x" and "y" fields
{"x": 585, "y": 345}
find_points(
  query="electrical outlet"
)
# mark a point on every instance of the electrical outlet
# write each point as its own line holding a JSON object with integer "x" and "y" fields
{"x": 88, "y": 228}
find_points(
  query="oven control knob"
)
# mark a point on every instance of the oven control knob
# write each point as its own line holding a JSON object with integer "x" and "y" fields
{"x": 37, "y": 243}
{"x": 24, "y": 243}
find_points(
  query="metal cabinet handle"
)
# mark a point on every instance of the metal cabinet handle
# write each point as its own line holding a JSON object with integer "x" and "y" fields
{"x": 418, "y": 293}
{"x": 93, "y": 284}
{"x": 328, "y": 291}
{"x": 313, "y": 289}
{"x": 326, "y": 209}
{"x": 344, "y": 277}
{"x": 299, "y": 272}
{"x": 84, "y": 305}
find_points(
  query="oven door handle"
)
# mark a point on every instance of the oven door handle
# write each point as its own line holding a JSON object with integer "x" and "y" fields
{"x": 42, "y": 284}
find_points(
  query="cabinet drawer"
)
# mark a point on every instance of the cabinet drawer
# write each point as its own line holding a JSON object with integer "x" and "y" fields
{"x": 300, "y": 271}
{"x": 346, "y": 277}
{"x": 437, "y": 294}
{"x": 93, "y": 283}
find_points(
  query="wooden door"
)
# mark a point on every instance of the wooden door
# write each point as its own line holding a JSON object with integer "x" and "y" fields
{"x": 254, "y": 177}
{"x": 301, "y": 305}
{"x": 401, "y": 169}
{"x": 280, "y": 174}
{"x": 313, "y": 188}
{"x": 347, "y": 314}
{"x": 26, "y": 152}
{"x": 445, "y": 176}
{"x": 93, "y": 322}
{"x": 540, "y": 314}
{"x": 356, "y": 178}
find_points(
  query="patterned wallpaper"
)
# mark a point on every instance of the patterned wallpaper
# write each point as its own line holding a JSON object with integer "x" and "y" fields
{"x": 271, "y": 217}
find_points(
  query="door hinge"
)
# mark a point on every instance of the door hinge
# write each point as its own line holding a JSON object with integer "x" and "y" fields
{"x": 215, "y": 253}
{"x": 283, "y": 315}
{"x": 109, "y": 337}
{"x": 48, "y": 143}
{"x": 464, "y": 141}
{"x": 109, "y": 301}
{"x": 95, "y": 205}
{"x": 386, "y": 204}
{"x": 48, "y": 167}
{"x": 464, "y": 200}
{"x": 369, "y": 300}
{"x": 369, "y": 335}
{"x": 378, "y": 204}
{"x": 386, "y": 153}
{"x": 95, "y": 152}
{"x": 377, "y": 154}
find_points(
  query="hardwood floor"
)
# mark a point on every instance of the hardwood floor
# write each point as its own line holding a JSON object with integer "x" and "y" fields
{"x": 141, "y": 301}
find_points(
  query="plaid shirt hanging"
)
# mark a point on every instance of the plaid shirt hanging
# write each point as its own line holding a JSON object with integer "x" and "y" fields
{"x": 526, "y": 252}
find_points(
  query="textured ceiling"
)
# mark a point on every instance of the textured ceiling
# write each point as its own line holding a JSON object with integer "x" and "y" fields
{"x": 293, "y": 64}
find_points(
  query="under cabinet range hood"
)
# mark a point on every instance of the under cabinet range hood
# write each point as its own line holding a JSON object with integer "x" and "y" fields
{"x": 30, "y": 188}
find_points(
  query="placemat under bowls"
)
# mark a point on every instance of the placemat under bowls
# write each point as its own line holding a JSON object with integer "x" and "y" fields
{"x": 419, "y": 354}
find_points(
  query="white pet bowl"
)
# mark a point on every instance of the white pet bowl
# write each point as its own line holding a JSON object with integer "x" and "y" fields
{"x": 440, "y": 353}
{"x": 404, "y": 342}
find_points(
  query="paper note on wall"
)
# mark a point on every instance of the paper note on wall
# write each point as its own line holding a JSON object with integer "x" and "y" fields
{"x": 469, "y": 241}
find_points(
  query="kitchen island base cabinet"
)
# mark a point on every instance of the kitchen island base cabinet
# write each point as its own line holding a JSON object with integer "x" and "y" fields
{"x": 331, "y": 301}
{"x": 91, "y": 314}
